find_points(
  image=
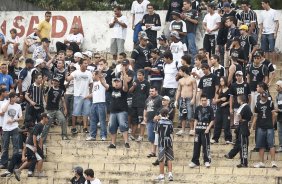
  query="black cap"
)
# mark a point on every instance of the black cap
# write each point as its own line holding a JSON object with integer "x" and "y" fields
{"x": 125, "y": 62}
{"x": 116, "y": 79}
{"x": 175, "y": 13}
{"x": 258, "y": 53}
{"x": 45, "y": 40}
{"x": 78, "y": 170}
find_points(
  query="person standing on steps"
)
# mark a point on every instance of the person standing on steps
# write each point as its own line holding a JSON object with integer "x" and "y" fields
{"x": 204, "y": 120}
{"x": 278, "y": 109}
{"x": 44, "y": 27}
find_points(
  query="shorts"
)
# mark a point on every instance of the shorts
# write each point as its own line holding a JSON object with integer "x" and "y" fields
{"x": 265, "y": 138}
{"x": 185, "y": 109}
{"x": 268, "y": 42}
{"x": 117, "y": 46}
{"x": 150, "y": 131}
{"x": 32, "y": 156}
{"x": 119, "y": 119}
{"x": 81, "y": 106}
{"x": 137, "y": 115}
{"x": 165, "y": 152}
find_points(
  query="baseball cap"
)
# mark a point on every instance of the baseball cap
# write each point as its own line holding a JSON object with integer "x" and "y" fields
{"x": 78, "y": 54}
{"x": 166, "y": 98}
{"x": 279, "y": 83}
{"x": 264, "y": 94}
{"x": 87, "y": 53}
{"x": 143, "y": 35}
{"x": 45, "y": 40}
{"x": 56, "y": 79}
{"x": 162, "y": 37}
{"x": 125, "y": 62}
{"x": 244, "y": 27}
{"x": 239, "y": 73}
{"x": 226, "y": 5}
{"x": 175, "y": 13}
{"x": 116, "y": 79}
{"x": 258, "y": 54}
{"x": 38, "y": 62}
{"x": 78, "y": 170}
{"x": 175, "y": 34}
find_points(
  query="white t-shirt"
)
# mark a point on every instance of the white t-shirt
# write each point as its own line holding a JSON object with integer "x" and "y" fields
{"x": 81, "y": 82}
{"x": 95, "y": 181}
{"x": 2, "y": 103}
{"x": 268, "y": 19}
{"x": 211, "y": 21}
{"x": 177, "y": 50}
{"x": 139, "y": 10}
{"x": 75, "y": 38}
{"x": 118, "y": 68}
{"x": 199, "y": 72}
{"x": 170, "y": 71}
{"x": 117, "y": 30}
{"x": 13, "y": 112}
{"x": 98, "y": 92}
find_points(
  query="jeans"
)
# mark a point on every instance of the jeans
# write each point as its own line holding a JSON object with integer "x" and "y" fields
{"x": 191, "y": 40}
{"x": 81, "y": 106}
{"x": 185, "y": 109}
{"x": 55, "y": 114}
{"x": 137, "y": 29}
{"x": 150, "y": 131}
{"x": 69, "y": 104}
{"x": 118, "y": 119}
{"x": 209, "y": 44}
{"x": 5, "y": 144}
{"x": 267, "y": 42}
{"x": 15, "y": 161}
{"x": 265, "y": 138}
{"x": 98, "y": 114}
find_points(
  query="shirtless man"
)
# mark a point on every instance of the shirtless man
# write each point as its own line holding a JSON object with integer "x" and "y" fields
{"x": 186, "y": 96}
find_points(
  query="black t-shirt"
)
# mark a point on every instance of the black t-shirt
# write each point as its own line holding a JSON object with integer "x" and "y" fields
{"x": 81, "y": 180}
{"x": 109, "y": 75}
{"x": 207, "y": 85}
{"x": 232, "y": 32}
{"x": 247, "y": 43}
{"x": 239, "y": 89}
{"x": 238, "y": 67}
{"x": 264, "y": 114}
{"x": 61, "y": 75}
{"x": 155, "y": 21}
{"x": 221, "y": 38}
{"x": 257, "y": 75}
{"x": 246, "y": 114}
{"x": 37, "y": 131}
{"x": 222, "y": 95}
{"x": 14, "y": 71}
{"x": 203, "y": 115}
{"x": 153, "y": 106}
{"x": 174, "y": 5}
{"x": 192, "y": 14}
{"x": 269, "y": 65}
{"x": 240, "y": 54}
{"x": 118, "y": 100}
{"x": 232, "y": 13}
{"x": 141, "y": 57}
{"x": 219, "y": 72}
{"x": 54, "y": 97}
{"x": 140, "y": 93}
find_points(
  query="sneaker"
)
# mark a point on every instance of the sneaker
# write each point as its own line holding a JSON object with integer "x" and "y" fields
{"x": 229, "y": 142}
{"x": 259, "y": 165}
{"x": 126, "y": 145}
{"x": 2, "y": 166}
{"x": 139, "y": 139}
{"x": 65, "y": 138}
{"x": 227, "y": 156}
{"x": 273, "y": 164}
{"x": 74, "y": 131}
{"x": 129, "y": 131}
{"x": 279, "y": 149}
{"x": 29, "y": 174}
{"x": 103, "y": 139}
{"x": 151, "y": 155}
{"x": 99, "y": 125}
{"x": 213, "y": 141}
{"x": 156, "y": 163}
{"x": 207, "y": 164}
{"x": 90, "y": 138}
{"x": 131, "y": 138}
{"x": 6, "y": 174}
{"x": 170, "y": 177}
{"x": 85, "y": 130}
{"x": 180, "y": 132}
{"x": 191, "y": 132}
{"x": 112, "y": 146}
{"x": 192, "y": 165}
{"x": 17, "y": 173}
{"x": 160, "y": 177}
{"x": 241, "y": 166}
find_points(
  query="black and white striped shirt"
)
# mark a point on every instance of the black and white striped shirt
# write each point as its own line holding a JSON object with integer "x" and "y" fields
{"x": 36, "y": 93}
{"x": 249, "y": 17}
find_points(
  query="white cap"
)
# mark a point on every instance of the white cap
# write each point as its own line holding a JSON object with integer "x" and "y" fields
{"x": 78, "y": 54}
{"x": 38, "y": 62}
{"x": 87, "y": 53}
{"x": 239, "y": 73}
{"x": 166, "y": 98}
{"x": 279, "y": 83}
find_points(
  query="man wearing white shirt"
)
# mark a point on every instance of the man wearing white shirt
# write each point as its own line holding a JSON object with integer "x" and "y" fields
{"x": 98, "y": 111}
{"x": 138, "y": 10}
{"x": 119, "y": 28}
{"x": 12, "y": 115}
{"x": 211, "y": 24}
{"x": 74, "y": 40}
{"x": 269, "y": 25}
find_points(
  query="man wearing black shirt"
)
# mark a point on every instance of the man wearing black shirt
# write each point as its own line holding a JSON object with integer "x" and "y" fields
{"x": 263, "y": 121}
{"x": 53, "y": 97}
{"x": 269, "y": 65}
{"x": 78, "y": 176}
{"x": 151, "y": 23}
{"x": 34, "y": 146}
{"x": 204, "y": 120}
{"x": 247, "y": 42}
{"x": 238, "y": 52}
{"x": 190, "y": 16}
{"x": 118, "y": 110}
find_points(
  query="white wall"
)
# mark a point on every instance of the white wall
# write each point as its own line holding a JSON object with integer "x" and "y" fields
{"x": 94, "y": 24}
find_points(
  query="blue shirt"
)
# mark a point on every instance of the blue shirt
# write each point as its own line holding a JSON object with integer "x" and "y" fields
{"x": 6, "y": 79}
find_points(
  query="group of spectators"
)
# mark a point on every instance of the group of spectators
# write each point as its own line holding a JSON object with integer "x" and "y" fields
{"x": 222, "y": 85}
